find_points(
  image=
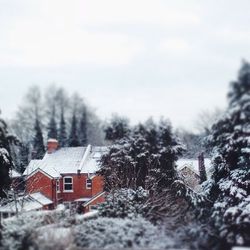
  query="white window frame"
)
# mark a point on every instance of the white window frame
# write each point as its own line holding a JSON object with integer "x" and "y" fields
{"x": 87, "y": 187}
{"x": 58, "y": 189}
{"x": 64, "y": 190}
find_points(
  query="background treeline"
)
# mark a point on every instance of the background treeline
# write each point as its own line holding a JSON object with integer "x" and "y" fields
{"x": 52, "y": 113}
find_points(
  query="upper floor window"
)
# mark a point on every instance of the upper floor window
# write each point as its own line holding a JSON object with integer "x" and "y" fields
{"x": 88, "y": 184}
{"x": 68, "y": 184}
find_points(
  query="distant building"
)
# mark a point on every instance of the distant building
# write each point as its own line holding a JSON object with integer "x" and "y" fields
{"x": 67, "y": 175}
{"x": 188, "y": 170}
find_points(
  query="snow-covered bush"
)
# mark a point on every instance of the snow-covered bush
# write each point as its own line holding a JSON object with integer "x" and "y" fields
{"x": 18, "y": 232}
{"x": 117, "y": 233}
{"x": 56, "y": 230}
{"x": 123, "y": 203}
{"x": 231, "y": 211}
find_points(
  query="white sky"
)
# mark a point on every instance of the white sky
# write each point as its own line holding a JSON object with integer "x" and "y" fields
{"x": 138, "y": 58}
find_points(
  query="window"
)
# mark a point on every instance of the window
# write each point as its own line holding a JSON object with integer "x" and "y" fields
{"x": 88, "y": 184}
{"x": 58, "y": 186}
{"x": 93, "y": 207}
{"x": 68, "y": 184}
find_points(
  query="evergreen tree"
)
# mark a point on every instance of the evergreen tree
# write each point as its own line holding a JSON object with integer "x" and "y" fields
{"x": 229, "y": 188}
{"x": 62, "y": 131}
{"x": 38, "y": 144}
{"x": 73, "y": 137}
{"x": 145, "y": 158}
{"x": 5, "y": 158}
{"x": 169, "y": 150}
{"x": 140, "y": 151}
{"x": 117, "y": 128}
{"x": 83, "y": 128}
{"x": 23, "y": 157}
{"x": 52, "y": 128}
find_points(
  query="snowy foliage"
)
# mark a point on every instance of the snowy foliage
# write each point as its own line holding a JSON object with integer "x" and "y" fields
{"x": 231, "y": 211}
{"x": 18, "y": 232}
{"x": 46, "y": 229}
{"x": 6, "y": 140}
{"x": 194, "y": 198}
{"x": 230, "y": 186}
{"x": 117, "y": 128}
{"x": 146, "y": 157}
{"x": 119, "y": 233}
{"x": 124, "y": 203}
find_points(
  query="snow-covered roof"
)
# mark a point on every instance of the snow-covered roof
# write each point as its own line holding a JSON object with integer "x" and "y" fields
{"x": 68, "y": 160}
{"x": 193, "y": 164}
{"x": 14, "y": 174}
{"x": 26, "y": 203}
{"x": 41, "y": 198}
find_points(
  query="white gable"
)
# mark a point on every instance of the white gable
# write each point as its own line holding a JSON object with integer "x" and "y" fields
{"x": 14, "y": 174}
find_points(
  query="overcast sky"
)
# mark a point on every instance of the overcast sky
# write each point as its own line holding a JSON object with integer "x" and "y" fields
{"x": 139, "y": 58}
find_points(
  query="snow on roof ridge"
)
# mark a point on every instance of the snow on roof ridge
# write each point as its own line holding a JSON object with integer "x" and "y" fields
{"x": 85, "y": 156}
{"x": 52, "y": 140}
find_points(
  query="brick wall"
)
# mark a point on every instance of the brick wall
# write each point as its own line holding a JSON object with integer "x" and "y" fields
{"x": 39, "y": 182}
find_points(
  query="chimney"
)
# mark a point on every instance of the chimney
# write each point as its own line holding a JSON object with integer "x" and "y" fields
{"x": 52, "y": 145}
{"x": 202, "y": 168}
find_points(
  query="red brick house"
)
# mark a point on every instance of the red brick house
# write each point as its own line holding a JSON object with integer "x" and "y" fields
{"x": 67, "y": 175}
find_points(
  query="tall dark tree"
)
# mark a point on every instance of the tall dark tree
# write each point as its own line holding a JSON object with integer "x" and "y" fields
{"x": 145, "y": 158}
{"x": 83, "y": 135}
{"x": 5, "y": 158}
{"x": 38, "y": 143}
{"x": 23, "y": 157}
{"x": 117, "y": 128}
{"x": 52, "y": 127}
{"x": 73, "y": 137}
{"x": 229, "y": 188}
{"x": 169, "y": 150}
{"x": 62, "y": 131}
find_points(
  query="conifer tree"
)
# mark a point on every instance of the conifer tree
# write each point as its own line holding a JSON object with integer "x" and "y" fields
{"x": 52, "y": 128}
{"x": 73, "y": 137}
{"x": 117, "y": 128}
{"x": 5, "y": 159}
{"x": 83, "y": 128}
{"x": 23, "y": 157}
{"x": 62, "y": 131}
{"x": 169, "y": 150}
{"x": 229, "y": 188}
{"x": 38, "y": 144}
{"x": 144, "y": 158}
